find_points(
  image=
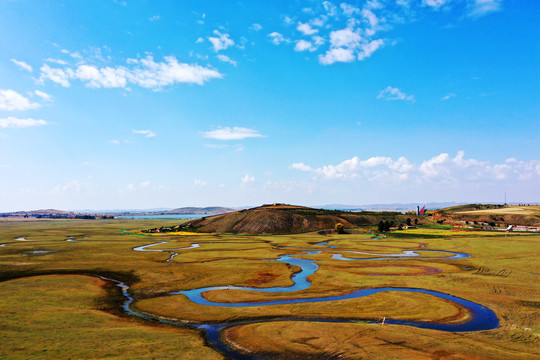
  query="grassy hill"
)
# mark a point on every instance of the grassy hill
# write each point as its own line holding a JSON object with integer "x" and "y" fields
{"x": 288, "y": 219}
{"x": 510, "y": 215}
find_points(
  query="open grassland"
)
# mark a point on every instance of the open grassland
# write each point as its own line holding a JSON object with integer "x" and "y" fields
{"x": 62, "y": 317}
{"x": 51, "y": 308}
{"x": 509, "y": 210}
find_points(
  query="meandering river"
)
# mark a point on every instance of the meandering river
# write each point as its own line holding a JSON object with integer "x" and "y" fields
{"x": 481, "y": 318}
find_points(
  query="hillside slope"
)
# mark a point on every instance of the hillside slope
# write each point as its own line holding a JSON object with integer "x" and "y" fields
{"x": 286, "y": 219}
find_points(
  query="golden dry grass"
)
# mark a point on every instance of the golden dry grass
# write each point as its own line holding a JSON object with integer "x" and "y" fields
{"x": 510, "y": 210}
{"x": 502, "y": 274}
{"x": 58, "y": 317}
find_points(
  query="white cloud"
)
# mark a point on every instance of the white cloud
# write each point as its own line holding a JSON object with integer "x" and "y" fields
{"x": 277, "y": 38}
{"x": 226, "y": 59}
{"x": 303, "y": 45}
{"x": 479, "y": 8}
{"x": 147, "y": 133}
{"x": 440, "y": 169}
{"x": 337, "y": 55}
{"x": 318, "y": 40}
{"x": 43, "y": 95}
{"x": 448, "y": 96}
{"x": 102, "y": 77}
{"x": 318, "y": 21}
{"x": 234, "y": 133}
{"x": 56, "y": 61}
{"x": 116, "y": 142}
{"x": 22, "y": 65}
{"x": 331, "y": 9}
{"x": 76, "y": 55}
{"x": 144, "y": 184}
{"x": 432, "y": 167}
{"x": 306, "y": 29}
{"x": 247, "y": 179}
{"x": 13, "y": 122}
{"x": 391, "y": 93}
{"x": 11, "y": 100}
{"x": 239, "y": 148}
{"x": 197, "y": 183}
{"x": 145, "y": 72}
{"x": 366, "y": 50}
{"x": 154, "y": 18}
{"x": 221, "y": 42}
{"x": 347, "y": 45}
{"x": 354, "y": 168}
{"x": 345, "y": 38}
{"x": 370, "y": 17}
{"x": 404, "y": 3}
{"x": 349, "y": 9}
{"x": 435, "y": 3}
{"x": 256, "y": 27}
{"x": 58, "y": 76}
{"x": 301, "y": 167}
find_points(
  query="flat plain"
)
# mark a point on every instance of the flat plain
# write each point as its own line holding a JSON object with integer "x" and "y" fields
{"x": 53, "y": 305}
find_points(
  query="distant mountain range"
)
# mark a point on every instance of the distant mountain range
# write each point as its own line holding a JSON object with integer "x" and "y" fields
{"x": 216, "y": 210}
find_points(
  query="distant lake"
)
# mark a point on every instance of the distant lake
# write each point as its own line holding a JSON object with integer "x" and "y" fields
{"x": 165, "y": 216}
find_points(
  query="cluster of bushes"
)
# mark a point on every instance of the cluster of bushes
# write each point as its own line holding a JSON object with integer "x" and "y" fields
{"x": 385, "y": 226}
{"x": 168, "y": 229}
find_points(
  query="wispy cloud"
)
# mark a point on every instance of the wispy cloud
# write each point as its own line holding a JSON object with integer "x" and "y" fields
{"x": 11, "y": 100}
{"x": 246, "y": 179}
{"x": 22, "y": 65}
{"x": 147, "y": 133}
{"x": 13, "y": 122}
{"x": 234, "y": 133}
{"x": 478, "y": 8}
{"x": 391, "y": 93}
{"x": 43, "y": 95}
{"x": 155, "y": 18}
{"x": 435, "y": 3}
{"x": 145, "y": 73}
{"x": 448, "y": 96}
{"x": 56, "y": 61}
{"x": 226, "y": 59}
{"x": 198, "y": 183}
{"x": 256, "y": 27}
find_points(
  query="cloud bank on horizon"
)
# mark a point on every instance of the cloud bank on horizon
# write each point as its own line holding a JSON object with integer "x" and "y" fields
{"x": 263, "y": 103}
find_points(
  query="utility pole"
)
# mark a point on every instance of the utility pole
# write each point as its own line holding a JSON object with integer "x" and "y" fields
{"x": 505, "y": 198}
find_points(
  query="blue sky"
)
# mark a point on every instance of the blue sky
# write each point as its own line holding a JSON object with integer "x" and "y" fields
{"x": 139, "y": 104}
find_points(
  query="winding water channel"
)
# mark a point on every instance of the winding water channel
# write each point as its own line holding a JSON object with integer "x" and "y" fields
{"x": 481, "y": 318}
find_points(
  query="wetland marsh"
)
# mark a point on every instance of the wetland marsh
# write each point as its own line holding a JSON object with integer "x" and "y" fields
{"x": 257, "y": 297}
